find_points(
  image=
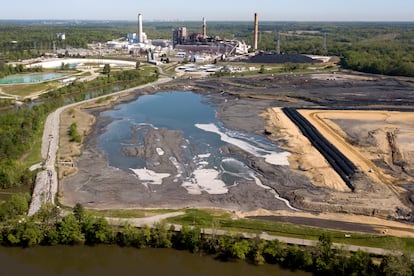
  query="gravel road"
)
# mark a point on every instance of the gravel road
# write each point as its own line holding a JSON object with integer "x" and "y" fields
{"x": 150, "y": 221}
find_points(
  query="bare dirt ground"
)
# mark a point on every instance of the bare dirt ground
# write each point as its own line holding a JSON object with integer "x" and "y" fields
{"x": 305, "y": 158}
{"x": 69, "y": 149}
{"x": 378, "y": 142}
{"x": 251, "y": 104}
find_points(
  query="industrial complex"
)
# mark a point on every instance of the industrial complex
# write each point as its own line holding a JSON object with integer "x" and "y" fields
{"x": 195, "y": 46}
{"x": 204, "y": 44}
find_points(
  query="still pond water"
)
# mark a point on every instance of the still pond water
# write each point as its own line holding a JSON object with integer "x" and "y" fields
{"x": 30, "y": 78}
{"x": 203, "y": 135}
{"x": 113, "y": 260}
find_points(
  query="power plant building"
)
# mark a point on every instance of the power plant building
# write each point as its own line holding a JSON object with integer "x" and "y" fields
{"x": 139, "y": 36}
{"x": 61, "y": 36}
{"x": 179, "y": 36}
{"x": 197, "y": 44}
{"x": 202, "y": 43}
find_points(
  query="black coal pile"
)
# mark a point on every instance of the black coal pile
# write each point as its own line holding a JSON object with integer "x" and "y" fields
{"x": 281, "y": 58}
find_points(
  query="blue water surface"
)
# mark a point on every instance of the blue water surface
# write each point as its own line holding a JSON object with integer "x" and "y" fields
{"x": 30, "y": 78}
{"x": 170, "y": 110}
{"x": 177, "y": 111}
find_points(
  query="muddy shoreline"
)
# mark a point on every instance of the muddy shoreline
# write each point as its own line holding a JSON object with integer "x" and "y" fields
{"x": 241, "y": 105}
{"x": 98, "y": 185}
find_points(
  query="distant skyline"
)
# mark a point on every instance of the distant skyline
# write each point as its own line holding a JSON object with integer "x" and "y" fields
{"x": 213, "y": 10}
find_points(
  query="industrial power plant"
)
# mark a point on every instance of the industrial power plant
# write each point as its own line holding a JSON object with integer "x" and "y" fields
{"x": 203, "y": 43}
{"x": 202, "y": 47}
{"x": 199, "y": 46}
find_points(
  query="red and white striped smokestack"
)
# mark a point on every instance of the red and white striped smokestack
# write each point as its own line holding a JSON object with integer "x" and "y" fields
{"x": 256, "y": 30}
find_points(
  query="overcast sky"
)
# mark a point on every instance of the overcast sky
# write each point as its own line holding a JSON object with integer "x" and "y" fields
{"x": 214, "y": 10}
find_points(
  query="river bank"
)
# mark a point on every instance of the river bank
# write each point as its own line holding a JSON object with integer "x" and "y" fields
{"x": 81, "y": 228}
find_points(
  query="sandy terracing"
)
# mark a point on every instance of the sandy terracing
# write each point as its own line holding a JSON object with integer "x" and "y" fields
{"x": 248, "y": 104}
{"x": 305, "y": 158}
{"x": 378, "y": 142}
{"x": 362, "y": 137}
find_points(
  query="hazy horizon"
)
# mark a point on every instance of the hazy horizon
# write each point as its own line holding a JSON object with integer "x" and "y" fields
{"x": 195, "y": 21}
{"x": 213, "y": 10}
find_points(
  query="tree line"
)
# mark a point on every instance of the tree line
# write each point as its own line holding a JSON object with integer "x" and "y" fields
{"x": 118, "y": 80}
{"x": 8, "y": 69}
{"x": 33, "y": 39}
{"x": 49, "y": 228}
{"x": 377, "y": 48}
{"x": 393, "y": 62}
{"x": 19, "y": 130}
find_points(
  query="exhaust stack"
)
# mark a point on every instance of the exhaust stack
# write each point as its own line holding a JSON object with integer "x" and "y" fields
{"x": 256, "y": 31}
{"x": 140, "y": 28}
{"x": 204, "y": 27}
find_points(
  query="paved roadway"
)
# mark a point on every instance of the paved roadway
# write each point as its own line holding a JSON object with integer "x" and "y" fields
{"x": 46, "y": 185}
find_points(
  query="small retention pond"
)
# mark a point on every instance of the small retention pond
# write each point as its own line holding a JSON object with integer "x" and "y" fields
{"x": 30, "y": 78}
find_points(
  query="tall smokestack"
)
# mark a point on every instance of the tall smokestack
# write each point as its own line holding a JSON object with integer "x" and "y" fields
{"x": 256, "y": 30}
{"x": 204, "y": 27}
{"x": 140, "y": 28}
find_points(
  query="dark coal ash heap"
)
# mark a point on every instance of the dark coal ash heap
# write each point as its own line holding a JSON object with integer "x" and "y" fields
{"x": 281, "y": 58}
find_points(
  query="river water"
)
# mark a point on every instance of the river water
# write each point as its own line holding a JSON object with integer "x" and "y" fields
{"x": 114, "y": 260}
